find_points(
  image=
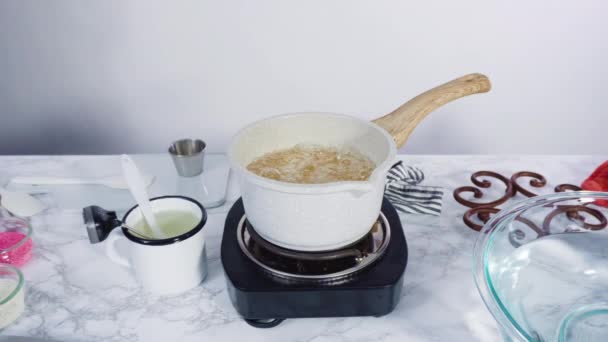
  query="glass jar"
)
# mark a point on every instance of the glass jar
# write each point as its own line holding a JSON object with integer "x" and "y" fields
{"x": 15, "y": 241}
{"x": 12, "y": 298}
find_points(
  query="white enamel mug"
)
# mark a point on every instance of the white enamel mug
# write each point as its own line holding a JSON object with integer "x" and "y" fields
{"x": 164, "y": 266}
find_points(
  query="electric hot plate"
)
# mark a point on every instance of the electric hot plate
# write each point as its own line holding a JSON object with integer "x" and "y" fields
{"x": 267, "y": 283}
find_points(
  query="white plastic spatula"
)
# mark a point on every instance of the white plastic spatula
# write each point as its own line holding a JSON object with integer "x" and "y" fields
{"x": 138, "y": 190}
{"x": 20, "y": 203}
{"x": 112, "y": 182}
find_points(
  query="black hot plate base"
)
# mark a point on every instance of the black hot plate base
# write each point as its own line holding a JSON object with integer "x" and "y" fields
{"x": 265, "y": 302}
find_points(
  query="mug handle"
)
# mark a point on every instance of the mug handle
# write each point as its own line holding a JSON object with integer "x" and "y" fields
{"x": 111, "y": 250}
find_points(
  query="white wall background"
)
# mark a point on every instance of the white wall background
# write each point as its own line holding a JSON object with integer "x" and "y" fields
{"x": 112, "y": 76}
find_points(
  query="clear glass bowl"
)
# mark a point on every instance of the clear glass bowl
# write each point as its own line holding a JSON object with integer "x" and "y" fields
{"x": 15, "y": 241}
{"x": 541, "y": 267}
{"x": 12, "y": 300}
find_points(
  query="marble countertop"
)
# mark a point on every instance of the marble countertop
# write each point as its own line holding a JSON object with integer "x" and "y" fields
{"x": 75, "y": 293}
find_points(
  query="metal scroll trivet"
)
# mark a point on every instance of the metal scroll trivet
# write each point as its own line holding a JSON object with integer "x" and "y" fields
{"x": 484, "y": 210}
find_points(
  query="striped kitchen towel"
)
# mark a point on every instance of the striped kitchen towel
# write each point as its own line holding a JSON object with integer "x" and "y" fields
{"x": 403, "y": 190}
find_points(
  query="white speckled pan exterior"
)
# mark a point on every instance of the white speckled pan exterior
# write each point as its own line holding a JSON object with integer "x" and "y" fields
{"x": 311, "y": 217}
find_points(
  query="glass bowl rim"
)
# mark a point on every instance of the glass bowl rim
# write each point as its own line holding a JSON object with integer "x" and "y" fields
{"x": 484, "y": 241}
{"x": 28, "y": 234}
{"x": 17, "y": 288}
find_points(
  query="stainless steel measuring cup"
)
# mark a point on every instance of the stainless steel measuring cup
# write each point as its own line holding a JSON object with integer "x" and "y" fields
{"x": 188, "y": 156}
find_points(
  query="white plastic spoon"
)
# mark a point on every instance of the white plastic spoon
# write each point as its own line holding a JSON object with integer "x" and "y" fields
{"x": 138, "y": 190}
{"x": 20, "y": 203}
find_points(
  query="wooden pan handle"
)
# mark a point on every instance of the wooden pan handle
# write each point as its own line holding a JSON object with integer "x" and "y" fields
{"x": 401, "y": 122}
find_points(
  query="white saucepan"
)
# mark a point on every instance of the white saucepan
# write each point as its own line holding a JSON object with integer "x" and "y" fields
{"x": 320, "y": 217}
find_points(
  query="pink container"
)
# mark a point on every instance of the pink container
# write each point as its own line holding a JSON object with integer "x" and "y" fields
{"x": 15, "y": 241}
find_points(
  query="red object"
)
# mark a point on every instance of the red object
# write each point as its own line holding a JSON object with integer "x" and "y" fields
{"x": 598, "y": 181}
{"x": 17, "y": 256}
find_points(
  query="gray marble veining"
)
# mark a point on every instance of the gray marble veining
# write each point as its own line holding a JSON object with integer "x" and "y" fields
{"x": 75, "y": 293}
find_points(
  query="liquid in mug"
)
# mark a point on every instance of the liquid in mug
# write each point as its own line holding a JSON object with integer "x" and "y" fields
{"x": 171, "y": 222}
